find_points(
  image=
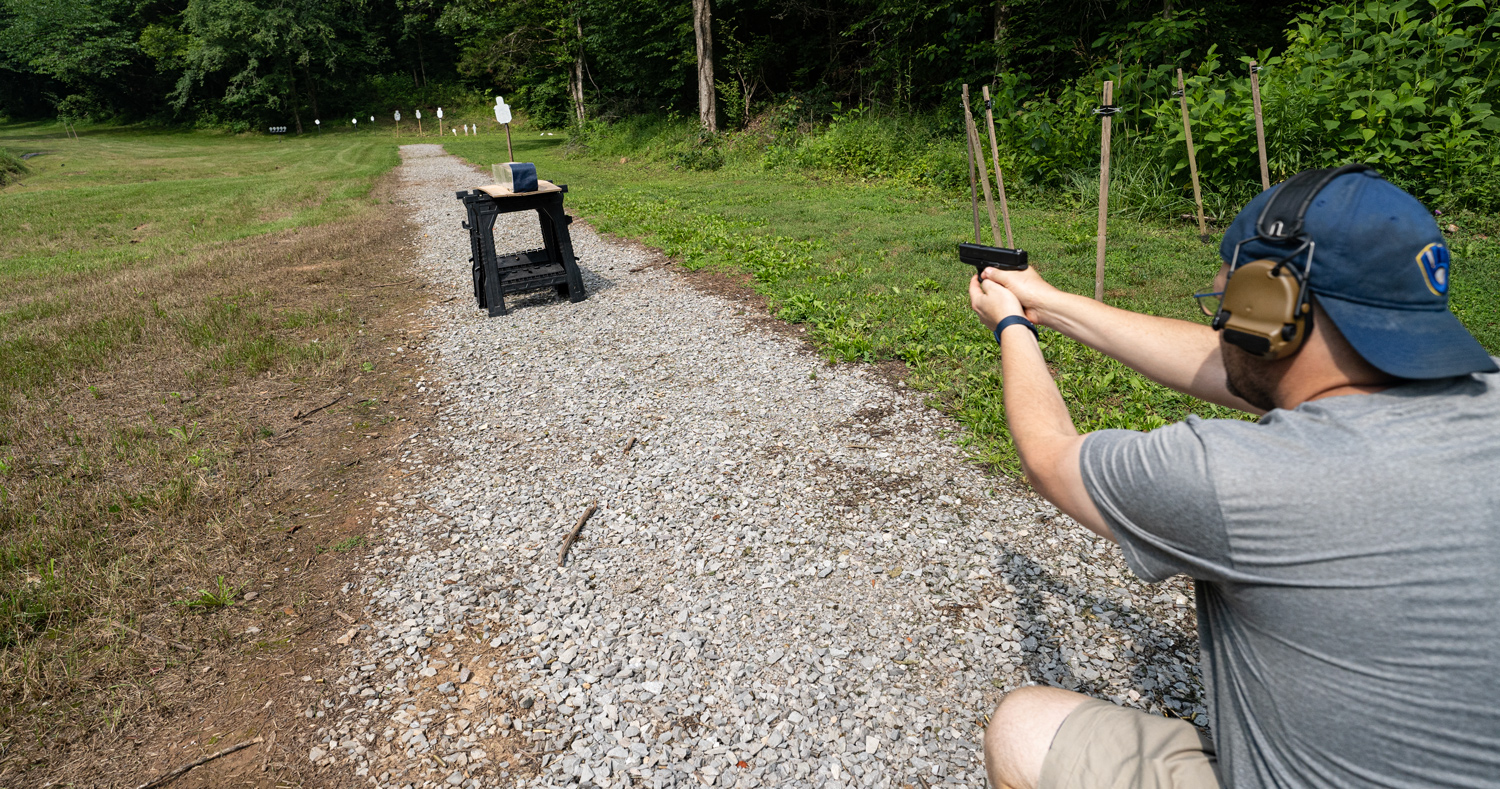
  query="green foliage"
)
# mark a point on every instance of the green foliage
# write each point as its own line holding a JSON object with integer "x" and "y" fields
{"x": 210, "y": 599}
{"x": 343, "y": 546}
{"x": 1407, "y": 86}
{"x": 708, "y": 239}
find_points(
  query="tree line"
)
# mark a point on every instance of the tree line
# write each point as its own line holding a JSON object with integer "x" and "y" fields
{"x": 228, "y": 62}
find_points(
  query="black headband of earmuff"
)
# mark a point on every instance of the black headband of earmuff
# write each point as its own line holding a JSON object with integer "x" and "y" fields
{"x": 1282, "y": 217}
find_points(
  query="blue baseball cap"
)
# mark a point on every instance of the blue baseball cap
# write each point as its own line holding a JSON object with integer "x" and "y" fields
{"x": 1380, "y": 270}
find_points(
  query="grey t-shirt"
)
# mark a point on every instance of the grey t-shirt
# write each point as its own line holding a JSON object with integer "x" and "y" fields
{"x": 1347, "y": 559}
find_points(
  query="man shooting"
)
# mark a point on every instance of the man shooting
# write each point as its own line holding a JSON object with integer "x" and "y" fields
{"x": 1345, "y": 548}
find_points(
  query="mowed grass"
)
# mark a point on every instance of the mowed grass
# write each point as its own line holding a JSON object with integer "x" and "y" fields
{"x": 122, "y": 197}
{"x": 127, "y": 200}
{"x": 167, "y": 301}
{"x": 871, "y": 269}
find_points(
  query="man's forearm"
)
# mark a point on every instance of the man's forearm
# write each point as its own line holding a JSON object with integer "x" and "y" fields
{"x": 1178, "y": 354}
{"x": 1042, "y": 429}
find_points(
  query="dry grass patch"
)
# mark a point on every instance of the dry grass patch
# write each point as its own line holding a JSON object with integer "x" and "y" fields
{"x": 173, "y": 439}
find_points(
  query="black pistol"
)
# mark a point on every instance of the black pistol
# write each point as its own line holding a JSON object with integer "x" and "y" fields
{"x": 982, "y": 257}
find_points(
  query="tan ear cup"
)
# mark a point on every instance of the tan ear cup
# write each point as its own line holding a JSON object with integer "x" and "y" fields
{"x": 1262, "y": 311}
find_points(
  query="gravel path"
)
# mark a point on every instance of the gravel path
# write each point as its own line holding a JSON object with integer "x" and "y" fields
{"x": 793, "y": 577}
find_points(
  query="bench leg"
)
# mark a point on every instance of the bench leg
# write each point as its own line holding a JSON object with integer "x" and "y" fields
{"x": 494, "y": 295}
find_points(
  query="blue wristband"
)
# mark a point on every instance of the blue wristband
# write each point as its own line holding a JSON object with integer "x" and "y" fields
{"x": 1012, "y": 321}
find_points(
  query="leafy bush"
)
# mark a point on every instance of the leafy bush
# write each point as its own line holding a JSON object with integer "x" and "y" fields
{"x": 1407, "y": 86}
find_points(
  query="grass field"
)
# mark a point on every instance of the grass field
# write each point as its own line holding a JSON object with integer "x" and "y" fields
{"x": 168, "y": 301}
{"x": 870, "y": 268}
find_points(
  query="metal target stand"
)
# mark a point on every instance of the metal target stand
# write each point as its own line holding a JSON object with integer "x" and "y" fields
{"x": 496, "y": 275}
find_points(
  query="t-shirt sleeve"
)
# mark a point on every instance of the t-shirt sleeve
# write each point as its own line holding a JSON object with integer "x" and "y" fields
{"x": 1155, "y": 492}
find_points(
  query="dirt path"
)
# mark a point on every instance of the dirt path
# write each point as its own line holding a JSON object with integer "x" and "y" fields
{"x": 792, "y": 576}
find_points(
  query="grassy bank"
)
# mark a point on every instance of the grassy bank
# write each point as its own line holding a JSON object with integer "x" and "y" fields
{"x": 171, "y": 305}
{"x": 868, "y": 265}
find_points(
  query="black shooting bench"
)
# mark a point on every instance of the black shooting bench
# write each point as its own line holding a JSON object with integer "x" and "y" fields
{"x": 552, "y": 266}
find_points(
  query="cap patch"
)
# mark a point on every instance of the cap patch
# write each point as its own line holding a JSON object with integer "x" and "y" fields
{"x": 1433, "y": 259}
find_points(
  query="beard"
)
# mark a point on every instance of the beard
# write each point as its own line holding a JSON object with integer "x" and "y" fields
{"x": 1248, "y": 378}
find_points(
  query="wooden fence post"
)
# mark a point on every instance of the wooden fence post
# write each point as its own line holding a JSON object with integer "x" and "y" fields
{"x": 1187, "y": 130}
{"x": 1260, "y": 125}
{"x": 969, "y": 151}
{"x": 989, "y": 120}
{"x": 984, "y": 176}
{"x": 1109, "y": 93}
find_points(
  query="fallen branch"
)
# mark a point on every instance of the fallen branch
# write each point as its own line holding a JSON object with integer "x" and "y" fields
{"x": 154, "y": 639}
{"x": 562, "y": 555}
{"x": 300, "y": 415}
{"x": 165, "y": 779}
{"x": 393, "y": 284}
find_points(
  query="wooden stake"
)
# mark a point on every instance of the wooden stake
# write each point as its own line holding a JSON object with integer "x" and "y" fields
{"x": 989, "y": 120}
{"x": 984, "y": 175}
{"x": 508, "y": 151}
{"x": 1187, "y": 130}
{"x": 1260, "y": 126}
{"x": 1109, "y": 94}
{"x": 969, "y": 151}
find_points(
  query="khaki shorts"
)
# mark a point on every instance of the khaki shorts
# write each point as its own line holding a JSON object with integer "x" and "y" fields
{"x": 1105, "y": 746}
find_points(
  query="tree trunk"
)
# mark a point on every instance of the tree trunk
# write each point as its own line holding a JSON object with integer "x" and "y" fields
{"x": 575, "y": 81}
{"x": 708, "y": 110}
{"x": 1002, "y": 32}
{"x": 421, "y": 63}
{"x": 312, "y": 95}
{"x": 293, "y": 101}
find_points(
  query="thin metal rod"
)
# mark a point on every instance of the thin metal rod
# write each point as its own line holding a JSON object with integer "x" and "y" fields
{"x": 989, "y": 120}
{"x": 1187, "y": 131}
{"x": 1109, "y": 93}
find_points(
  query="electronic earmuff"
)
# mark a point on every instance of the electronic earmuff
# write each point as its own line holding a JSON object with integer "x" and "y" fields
{"x": 1266, "y": 309}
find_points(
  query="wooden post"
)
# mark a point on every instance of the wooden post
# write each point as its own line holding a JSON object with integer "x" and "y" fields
{"x": 1187, "y": 130}
{"x": 508, "y": 151}
{"x": 969, "y": 151}
{"x": 984, "y": 176}
{"x": 989, "y": 120}
{"x": 1109, "y": 94}
{"x": 1260, "y": 125}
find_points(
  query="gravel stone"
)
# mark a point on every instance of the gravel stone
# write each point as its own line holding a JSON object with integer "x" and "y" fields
{"x": 794, "y": 576}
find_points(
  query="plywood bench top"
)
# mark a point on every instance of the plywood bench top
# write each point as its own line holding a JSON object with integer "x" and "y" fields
{"x": 497, "y": 191}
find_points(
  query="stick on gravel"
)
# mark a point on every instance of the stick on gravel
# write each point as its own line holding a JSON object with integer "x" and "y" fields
{"x": 165, "y": 779}
{"x": 562, "y": 555}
